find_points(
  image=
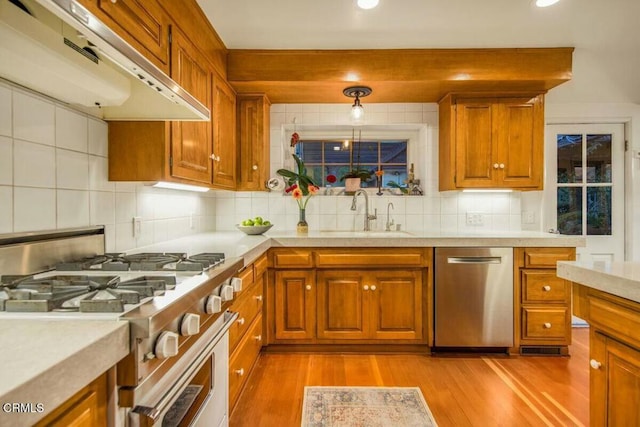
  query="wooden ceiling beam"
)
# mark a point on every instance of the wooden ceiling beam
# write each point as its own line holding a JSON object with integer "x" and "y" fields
{"x": 396, "y": 75}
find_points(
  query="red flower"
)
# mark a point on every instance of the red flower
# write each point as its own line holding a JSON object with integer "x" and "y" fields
{"x": 290, "y": 189}
{"x": 331, "y": 179}
{"x": 297, "y": 194}
{"x": 313, "y": 189}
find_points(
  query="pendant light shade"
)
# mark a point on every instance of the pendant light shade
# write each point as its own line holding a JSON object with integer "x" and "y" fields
{"x": 357, "y": 111}
{"x": 545, "y": 3}
{"x": 367, "y": 4}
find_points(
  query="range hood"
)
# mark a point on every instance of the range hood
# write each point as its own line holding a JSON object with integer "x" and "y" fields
{"x": 58, "y": 48}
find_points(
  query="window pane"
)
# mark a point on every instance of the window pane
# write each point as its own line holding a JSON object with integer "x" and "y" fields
{"x": 310, "y": 151}
{"x": 599, "y": 158}
{"x": 599, "y": 211}
{"x": 393, "y": 152}
{"x": 397, "y": 174}
{"x": 368, "y": 152}
{"x": 570, "y": 210}
{"x": 336, "y": 152}
{"x": 569, "y": 158}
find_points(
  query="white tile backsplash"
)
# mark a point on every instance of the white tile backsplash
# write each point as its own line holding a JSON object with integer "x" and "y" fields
{"x": 33, "y": 118}
{"x": 34, "y": 209}
{"x": 54, "y": 174}
{"x": 71, "y": 130}
{"x": 34, "y": 165}
{"x": 6, "y": 116}
{"x": 6, "y": 160}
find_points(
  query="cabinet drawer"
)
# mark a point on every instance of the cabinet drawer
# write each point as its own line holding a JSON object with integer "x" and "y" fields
{"x": 247, "y": 277}
{"x": 547, "y": 257}
{"x": 546, "y": 324}
{"x": 247, "y": 306}
{"x": 544, "y": 286}
{"x": 243, "y": 359}
{"x": 368, "y": 258}
{"x": 260, "y": 266}
{"x": 292, "y": 258}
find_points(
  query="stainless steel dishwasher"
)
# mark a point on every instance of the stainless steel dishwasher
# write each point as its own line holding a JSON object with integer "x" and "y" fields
{"x": 473, "y": 297}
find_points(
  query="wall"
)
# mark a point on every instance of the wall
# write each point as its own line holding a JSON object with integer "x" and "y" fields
{"x": 435, "y": 211}
{"x": 53, "y": 175}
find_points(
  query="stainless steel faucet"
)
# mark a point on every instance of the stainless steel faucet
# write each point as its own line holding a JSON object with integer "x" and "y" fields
{"x": 389, "y": 223}
{"x": 367, "y": 217}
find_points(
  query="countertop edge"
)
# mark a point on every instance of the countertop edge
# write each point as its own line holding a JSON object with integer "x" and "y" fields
{"x": 613, "y": 281}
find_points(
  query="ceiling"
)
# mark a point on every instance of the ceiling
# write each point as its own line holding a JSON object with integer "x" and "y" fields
{"x": 605, "y": 33}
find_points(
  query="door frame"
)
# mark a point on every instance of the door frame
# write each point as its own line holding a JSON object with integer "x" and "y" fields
{"x": 625, "y": 121}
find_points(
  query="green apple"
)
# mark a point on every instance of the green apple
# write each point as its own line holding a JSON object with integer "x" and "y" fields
{"x": 267, "y": 222}
{"x": 247, "y": 222}
{"x": 257, "y": 220}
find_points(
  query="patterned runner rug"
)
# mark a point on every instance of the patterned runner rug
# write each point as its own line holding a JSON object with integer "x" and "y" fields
{"x": 365, "y": 407}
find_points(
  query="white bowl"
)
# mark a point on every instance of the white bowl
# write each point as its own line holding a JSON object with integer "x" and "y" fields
{"x": 253, "y": 229}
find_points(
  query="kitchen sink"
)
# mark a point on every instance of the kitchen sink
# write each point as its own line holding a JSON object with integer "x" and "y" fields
{"x": 373, "y": 234}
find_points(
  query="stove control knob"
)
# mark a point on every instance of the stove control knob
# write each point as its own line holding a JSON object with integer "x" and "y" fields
{"x": 190, "y": 324}
{"x": 226, "y": 293}
{"x": 236, "y": 282}
{"x": 213, "y": 304}
{"x": 166, "y": 345}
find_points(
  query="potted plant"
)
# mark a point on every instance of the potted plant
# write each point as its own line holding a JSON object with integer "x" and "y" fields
{"x": 354, "y": 177}
{"x": 302, "y": 187}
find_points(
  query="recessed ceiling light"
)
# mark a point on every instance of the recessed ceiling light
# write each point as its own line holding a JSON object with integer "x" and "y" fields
{"x": 545, "y": 3}
{"x": 367, "y": 4}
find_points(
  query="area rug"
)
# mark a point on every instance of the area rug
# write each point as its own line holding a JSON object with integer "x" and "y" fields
{"x": 365, "y": 407}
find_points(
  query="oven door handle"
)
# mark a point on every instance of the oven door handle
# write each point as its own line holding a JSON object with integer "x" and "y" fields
{"x": 150, "y": 415}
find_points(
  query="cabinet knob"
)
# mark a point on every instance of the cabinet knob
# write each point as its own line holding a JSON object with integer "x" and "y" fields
{"x": 595, "y": 364}
{"x": 501, "y": 165}
{"x": 365, "y": 287}
{"x": 114, "y": 1}
{"x": 239, "y": 372}
{"x": 547, "y": 325}
{"x": 546, "y": 288}
{"x": 214, "y": 157}
{"x": 258, "y": 297}
{"x": 258, "y": 338}
{"x": 308, "y": 287}
{"x": 495, "y": 166}
{"x": 373, "y": 287}
{"x": 241, "y": 321}
{"x": 254, "y": 167}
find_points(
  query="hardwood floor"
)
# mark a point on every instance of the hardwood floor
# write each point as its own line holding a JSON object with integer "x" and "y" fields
{"x": 460, "y": 391}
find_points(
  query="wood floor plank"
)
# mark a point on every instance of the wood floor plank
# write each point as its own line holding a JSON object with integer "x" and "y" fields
{"x": 460, "y": 391}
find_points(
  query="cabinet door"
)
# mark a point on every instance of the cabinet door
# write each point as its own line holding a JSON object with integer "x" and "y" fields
{"x": 520, "y": 143}
{"x": 191, "y": 141}
{"x": 615, "y": 376}
{"x": 343, "y": 310}
{"x": 144, "y": 24}
{"x": 295, "y": 304}
{"x": 475, "y": 150}
{"x": 253, "y": 142}
{"x": 224, "y": 135}
{"x": 396, "y": 304}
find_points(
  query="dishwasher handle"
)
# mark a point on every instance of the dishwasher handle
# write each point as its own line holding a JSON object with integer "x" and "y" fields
{"x": 474, "y": 260}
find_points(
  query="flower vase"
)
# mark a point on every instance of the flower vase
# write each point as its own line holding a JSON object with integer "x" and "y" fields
{"x": 351, "y": 185}
{"x": 302, "y": 227}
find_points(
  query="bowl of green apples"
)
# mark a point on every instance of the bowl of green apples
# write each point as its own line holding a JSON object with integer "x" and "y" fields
{"x": 254, "y": 226}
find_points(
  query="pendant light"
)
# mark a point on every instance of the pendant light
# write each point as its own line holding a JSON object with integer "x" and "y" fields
{"x": 367, "y": 4}
{"x": 357, "y": 112}
{"x": 545, "y": 3}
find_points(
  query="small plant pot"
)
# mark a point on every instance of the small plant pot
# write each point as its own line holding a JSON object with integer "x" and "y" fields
{"x": 351, "y": 185}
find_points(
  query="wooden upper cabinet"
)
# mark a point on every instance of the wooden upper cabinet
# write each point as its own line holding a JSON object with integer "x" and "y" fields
{"x": 191, "y": 141}
{"x": 224, "y": 135}
{"x": 253, "y": 141}
{"x": 491, "y": 142}
{"x": 142, "y": 23}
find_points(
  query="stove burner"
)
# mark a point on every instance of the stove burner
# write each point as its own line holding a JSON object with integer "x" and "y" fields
{"x": 150, "y": 261}
{"x": 89, "y": 263}
{"x": 78, "y": 293}
{"x": 200, "y": 262}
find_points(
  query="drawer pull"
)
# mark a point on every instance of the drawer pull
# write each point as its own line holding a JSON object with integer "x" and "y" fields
{"x": 258, "y": 298}
{"x": 495, "y": 166}
{"x": 547, "y": 325}
{"x": 258, "y": 338}
{"x": 241, "y": 321}
{"x": 595, "y": 364}
{"x": 308, "y": 287}
{"x": 239, "y": 372}
{"x": 501, "y": 165}
{"x": 366, "y": 287}
{"x": 373, "y": 287}
{"x": 546, "y": 288}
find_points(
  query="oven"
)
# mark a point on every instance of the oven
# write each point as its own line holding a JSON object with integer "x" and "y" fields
{"x": 194, "y": 391}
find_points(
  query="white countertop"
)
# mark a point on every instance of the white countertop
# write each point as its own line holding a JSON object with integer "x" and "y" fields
{"x": 617, "y": 278}
{"x": 47, "y": 361}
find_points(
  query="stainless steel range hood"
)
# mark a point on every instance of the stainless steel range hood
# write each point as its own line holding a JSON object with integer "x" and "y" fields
{"x": 58, "y": 48}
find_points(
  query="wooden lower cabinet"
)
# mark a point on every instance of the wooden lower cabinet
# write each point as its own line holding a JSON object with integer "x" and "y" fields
{"x": 243, "y": 359}
{"x": 86, "y": 408}
{"x": 363, "y": 304}
{"x": 295, "y": 304}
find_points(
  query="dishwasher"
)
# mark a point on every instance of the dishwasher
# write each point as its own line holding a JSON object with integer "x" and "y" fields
{"x": 473, "y": 297}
